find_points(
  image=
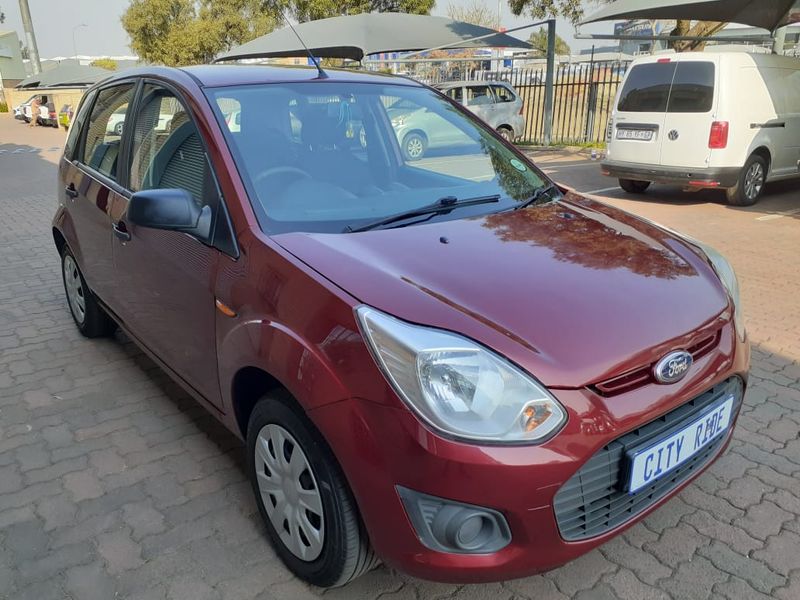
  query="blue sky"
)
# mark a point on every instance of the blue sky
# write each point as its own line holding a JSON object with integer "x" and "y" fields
{"x": 103, "y": 36}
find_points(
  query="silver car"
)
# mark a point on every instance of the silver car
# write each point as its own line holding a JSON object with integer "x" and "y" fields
{"x": 496, "y": 102}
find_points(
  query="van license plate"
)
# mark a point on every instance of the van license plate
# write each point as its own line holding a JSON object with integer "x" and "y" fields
{"x": 644, "y": 135}
{"x": 665, "y": 456}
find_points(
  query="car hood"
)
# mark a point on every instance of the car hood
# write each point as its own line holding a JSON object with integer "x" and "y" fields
{"x": 574, "y": 291}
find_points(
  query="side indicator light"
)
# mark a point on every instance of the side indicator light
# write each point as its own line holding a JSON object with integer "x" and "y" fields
{"x": 224, "y": 308}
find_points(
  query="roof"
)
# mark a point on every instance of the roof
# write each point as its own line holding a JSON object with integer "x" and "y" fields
{"x": 223, "y": 75}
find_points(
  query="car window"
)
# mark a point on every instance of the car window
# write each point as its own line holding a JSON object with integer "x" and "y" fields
{"x": 478, "y": 95}
{"x": 77, "y": 127}
{"x": 503, "y": 94}
{"x": 167, "y": 151}
{"x": 456, "y": 94}
{"x": 104, "y": 132}
{"x": 647, "y": 87}
{"x": 692, "y": 88}
{"x": 325, "y": 156}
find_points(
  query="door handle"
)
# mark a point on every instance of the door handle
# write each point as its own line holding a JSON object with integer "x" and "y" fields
{"x": 121, "y": 231}
{"x": 71, "y": 191}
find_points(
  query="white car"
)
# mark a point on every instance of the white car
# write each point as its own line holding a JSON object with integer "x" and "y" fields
{"x": 496, "y": 102}
{"x": 719, "y": 120}
{"x": 116, "y": 122}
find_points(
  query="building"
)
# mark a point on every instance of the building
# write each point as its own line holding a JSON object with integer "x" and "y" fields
{"x": 12, "y": 68}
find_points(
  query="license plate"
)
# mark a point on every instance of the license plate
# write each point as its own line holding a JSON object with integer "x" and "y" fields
{"x": 644, "y": 135}
{"x": 652, "y": 463}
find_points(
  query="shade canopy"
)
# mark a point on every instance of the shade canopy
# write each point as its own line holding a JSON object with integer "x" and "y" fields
{"x": 357, "y": 36}
{"x": 769, "y": 14}
{"x": 65, "y": 75}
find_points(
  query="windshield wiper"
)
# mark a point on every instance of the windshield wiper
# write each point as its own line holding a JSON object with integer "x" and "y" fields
{"x": 545, "y": 190}
{"x": 441, "y": 206}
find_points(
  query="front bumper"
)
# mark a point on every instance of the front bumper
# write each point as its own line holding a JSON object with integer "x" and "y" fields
{"x": 382, "y": 447}
{"x": 726, "y": 177}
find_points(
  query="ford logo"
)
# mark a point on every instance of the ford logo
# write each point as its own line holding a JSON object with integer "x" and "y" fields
{"x": 673, "y": 367}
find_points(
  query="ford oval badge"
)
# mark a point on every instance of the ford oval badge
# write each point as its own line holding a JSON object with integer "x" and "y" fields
{"x": 673, "y": 367}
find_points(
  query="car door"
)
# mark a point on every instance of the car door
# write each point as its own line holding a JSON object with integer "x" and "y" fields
{"x": 690, "y": 110}
{"x": 165, "y": 279}
{"x": 506, "y": 105}
{"x": 89, "y": 184}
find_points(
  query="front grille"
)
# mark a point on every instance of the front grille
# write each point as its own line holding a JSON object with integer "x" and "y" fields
{"x": 643, "y": 375}
{"x": 593, "y": 502}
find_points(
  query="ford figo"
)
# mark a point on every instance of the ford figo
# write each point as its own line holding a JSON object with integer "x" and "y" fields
{"x": 448, "y": 363}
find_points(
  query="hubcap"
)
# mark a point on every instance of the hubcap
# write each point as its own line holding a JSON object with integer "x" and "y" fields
{"x": 754, "y": 181}
{"x": 414, "y": 147}
{"x": 289, "y": 492}
{"x": 75, "y": 294}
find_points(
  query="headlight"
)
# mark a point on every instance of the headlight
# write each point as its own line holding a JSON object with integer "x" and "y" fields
{"x": 728, "y": 277}
{"x": 457, "y": 386}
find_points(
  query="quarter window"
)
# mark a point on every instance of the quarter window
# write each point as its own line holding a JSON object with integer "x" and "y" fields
{"x": 104, "y": 132}
{"x": 167, "y": 151}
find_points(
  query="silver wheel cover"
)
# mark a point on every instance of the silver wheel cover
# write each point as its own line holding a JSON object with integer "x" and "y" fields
{"x": 289, "y": 492}
{"x": 75, "y": 293}
{"x": 754, "y": 181}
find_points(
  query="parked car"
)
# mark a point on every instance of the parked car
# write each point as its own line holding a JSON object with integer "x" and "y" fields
{"x": 719, "y": 120}
{"x": 497, "y": 103}
{"x": 471, "y": 376}
{"x": 65, "y": 116}
{"x": 19, "y": 111}
{"x": 46, "y": 116}
{"x": 419, "y": 129}
{"x": 116, "y": 122}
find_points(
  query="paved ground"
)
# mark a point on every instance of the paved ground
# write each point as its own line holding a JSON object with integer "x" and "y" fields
{"x": 114, "y": 485}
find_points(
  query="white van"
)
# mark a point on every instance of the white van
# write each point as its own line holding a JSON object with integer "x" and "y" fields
{"x": 728, "y": 120}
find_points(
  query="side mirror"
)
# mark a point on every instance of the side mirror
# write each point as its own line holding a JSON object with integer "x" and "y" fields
{"x": 169, "y": 209}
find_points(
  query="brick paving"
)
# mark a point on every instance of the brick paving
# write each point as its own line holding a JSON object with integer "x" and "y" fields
{"x": 114, "y": 484}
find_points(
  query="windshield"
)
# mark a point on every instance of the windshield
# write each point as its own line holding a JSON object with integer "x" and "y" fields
{"x": 332, "y": 157}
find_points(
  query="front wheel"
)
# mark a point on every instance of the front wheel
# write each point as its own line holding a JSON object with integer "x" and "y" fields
{"x": 634, "y": 186}
{"x": 118, "y": 128}
{"x": 414, "y": 146}
{"x": 751, "y": 183}
{"x": 303, "y": 497}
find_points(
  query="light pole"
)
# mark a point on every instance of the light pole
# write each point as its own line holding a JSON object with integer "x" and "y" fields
{"x": 74, "y": 45}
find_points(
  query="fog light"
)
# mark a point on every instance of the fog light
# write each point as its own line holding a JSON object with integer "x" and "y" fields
{"x": 451, "y": 526}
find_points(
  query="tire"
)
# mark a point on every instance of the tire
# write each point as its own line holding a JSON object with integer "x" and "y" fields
{"x": 118, "y": 128}
{"x": 340, "y": 551}
{"x": 506, "y": 133}
{"x": 91, "y": 320}
{"x": 634, "y": 186}
{"x": 750, "y": 185}
{"x": 414, "y": 146}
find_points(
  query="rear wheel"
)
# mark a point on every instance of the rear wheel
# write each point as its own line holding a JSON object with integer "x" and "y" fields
{"x": 634, "y": 186}
{"x": 751, "y": 182}
{"x": 90, "y": 318}
{"x": 302, "y": 495}
{"x": 414, "y": 146}
{"x": 506, "y": 133}
{"x": 118, "y": 128}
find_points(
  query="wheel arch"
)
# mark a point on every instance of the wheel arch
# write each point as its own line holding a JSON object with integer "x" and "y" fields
{"x": 764, "y": 153}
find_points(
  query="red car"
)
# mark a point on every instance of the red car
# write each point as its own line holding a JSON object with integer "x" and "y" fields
{"x": 452, "y": 364}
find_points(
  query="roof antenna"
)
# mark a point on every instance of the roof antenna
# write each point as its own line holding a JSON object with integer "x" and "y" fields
{"x": 320, "y": 72}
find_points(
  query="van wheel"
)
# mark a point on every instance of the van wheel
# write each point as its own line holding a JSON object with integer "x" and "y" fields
{"x": 634, "y": 186}
{"x": 302, "y": 495}
{"x": 90, "y": 318}
{"x": 751, "y": 182}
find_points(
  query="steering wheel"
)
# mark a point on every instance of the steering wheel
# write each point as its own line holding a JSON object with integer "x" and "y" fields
{"x": 299, "y": 173}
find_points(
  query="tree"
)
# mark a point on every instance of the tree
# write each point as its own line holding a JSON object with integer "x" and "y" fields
{"x": 538, "y": 40}
{"x": 476, "y": 12}
{"x": 181, "y": 32}
{"x": 542, "y": 9}
{"x": 104, "y": 63}
{"x": 311, "y": 10}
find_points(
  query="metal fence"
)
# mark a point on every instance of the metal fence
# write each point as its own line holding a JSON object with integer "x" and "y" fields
{"x": 584, "y": 93}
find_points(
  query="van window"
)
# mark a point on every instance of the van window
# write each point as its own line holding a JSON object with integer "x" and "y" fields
{"x": 693, "y": 88}
{"x": 647, "y": 88}
{"x": 673, "y": 87}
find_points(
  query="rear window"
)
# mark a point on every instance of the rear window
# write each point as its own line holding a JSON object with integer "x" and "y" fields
{"x": 675, "y": 87}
